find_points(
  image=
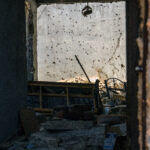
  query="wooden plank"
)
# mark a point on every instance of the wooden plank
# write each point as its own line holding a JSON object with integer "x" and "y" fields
{"x": 60, "y": 84}
{"x": 47, "y": 94}
{"x": 63, "y": 83}
{"x": 61, "y": 95}
{"x": 81, "y": 96}
{"x": 73, "y": 86}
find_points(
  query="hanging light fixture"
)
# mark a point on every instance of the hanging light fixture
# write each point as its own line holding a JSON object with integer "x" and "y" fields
{"x": 87, "y": 10}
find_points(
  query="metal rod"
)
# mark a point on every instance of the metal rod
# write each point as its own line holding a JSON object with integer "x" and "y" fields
{"x": 82, "y": 68}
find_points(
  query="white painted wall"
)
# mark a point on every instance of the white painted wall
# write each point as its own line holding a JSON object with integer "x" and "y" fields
{"x": 98, "y": 40}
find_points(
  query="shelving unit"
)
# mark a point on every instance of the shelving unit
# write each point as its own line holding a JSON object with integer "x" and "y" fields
{"x": 60, "y": 89}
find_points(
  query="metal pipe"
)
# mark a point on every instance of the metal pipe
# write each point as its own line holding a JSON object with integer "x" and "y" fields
{"x": 82, "y": 68}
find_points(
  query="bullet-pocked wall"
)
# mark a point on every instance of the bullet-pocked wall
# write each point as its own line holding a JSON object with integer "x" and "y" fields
{"x": 99, "y": 41}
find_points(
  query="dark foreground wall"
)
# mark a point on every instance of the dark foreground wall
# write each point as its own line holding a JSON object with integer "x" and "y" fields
{"x": 133, "y": 20}
{"x": 12, "y": 65}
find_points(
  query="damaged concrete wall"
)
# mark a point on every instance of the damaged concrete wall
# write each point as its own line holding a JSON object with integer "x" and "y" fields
{"x": 31, "y": 38}
{"x": 98, "y": 40}
{"x": 13, "y": 66}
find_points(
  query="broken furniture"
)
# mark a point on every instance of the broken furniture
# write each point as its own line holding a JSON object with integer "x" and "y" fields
{"x": 115, "y": 86}
{"x": 82, "y": 93}
{"x": 114, "y": 96}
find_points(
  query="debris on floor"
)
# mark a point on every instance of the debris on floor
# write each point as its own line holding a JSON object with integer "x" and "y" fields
{"x": 62, "y": 134}
{"x": 65, "y": 134}
{"x": 75, "y": 126}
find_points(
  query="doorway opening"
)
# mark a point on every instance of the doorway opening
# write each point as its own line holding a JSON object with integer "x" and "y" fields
{"x": 69, "y": 48}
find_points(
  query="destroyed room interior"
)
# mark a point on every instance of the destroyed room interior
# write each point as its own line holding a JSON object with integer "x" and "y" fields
{"x": 75, "y": 75}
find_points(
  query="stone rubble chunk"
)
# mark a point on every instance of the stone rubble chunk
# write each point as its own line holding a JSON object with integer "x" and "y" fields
{"x": 43, "y": 138}
{"x": 91, "y": 136}
{"x": 82, "y": 132}
{"x": 64, "y": 125}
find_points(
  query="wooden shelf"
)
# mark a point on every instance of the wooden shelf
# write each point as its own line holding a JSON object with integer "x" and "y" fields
{"x": 34, "y": 85}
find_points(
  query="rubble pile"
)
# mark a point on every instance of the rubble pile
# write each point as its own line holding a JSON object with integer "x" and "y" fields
{"x": 64, "y": 134}
{"x": 77, "y": 127}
